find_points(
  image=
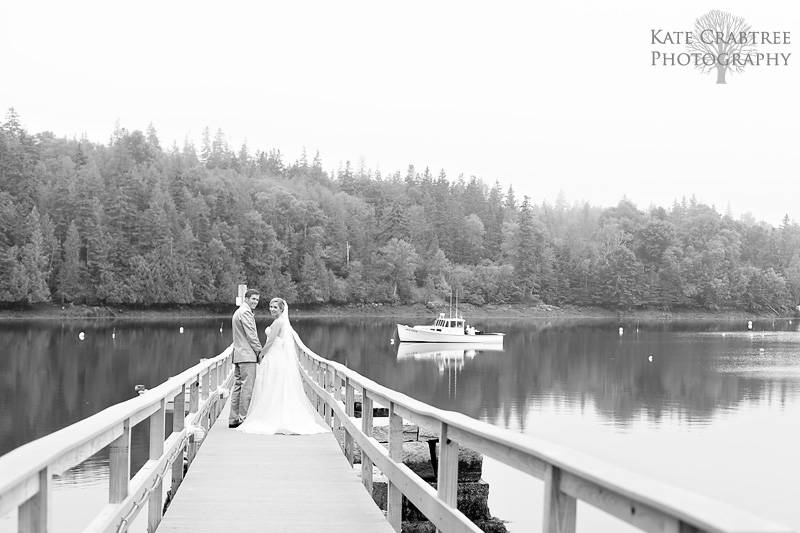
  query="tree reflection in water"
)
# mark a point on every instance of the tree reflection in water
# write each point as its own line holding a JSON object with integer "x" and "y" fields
{"x": 687, "y": 368}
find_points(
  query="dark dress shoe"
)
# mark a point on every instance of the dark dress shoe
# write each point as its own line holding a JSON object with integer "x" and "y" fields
{"x": 235, "y": 424}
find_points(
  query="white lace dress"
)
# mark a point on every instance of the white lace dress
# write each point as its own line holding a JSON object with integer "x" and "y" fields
{"x": 279, "y": 404}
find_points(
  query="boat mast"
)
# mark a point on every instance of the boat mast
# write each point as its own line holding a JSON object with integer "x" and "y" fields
{"x": 451, "y": 303}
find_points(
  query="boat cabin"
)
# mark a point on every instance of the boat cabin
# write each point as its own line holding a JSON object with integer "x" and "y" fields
{"x": 450, "y": 323}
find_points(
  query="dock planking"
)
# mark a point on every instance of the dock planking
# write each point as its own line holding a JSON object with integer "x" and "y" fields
{"x": 286, "y": 483}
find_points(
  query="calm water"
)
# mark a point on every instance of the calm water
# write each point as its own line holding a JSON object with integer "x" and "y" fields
{"x": 709, "y": 406}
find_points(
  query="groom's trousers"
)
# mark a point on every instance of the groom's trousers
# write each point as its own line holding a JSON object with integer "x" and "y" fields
{"x": 244, "y": 375}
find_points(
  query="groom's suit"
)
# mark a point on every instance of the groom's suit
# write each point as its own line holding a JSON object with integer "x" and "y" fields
{"x": 246, "y": 353}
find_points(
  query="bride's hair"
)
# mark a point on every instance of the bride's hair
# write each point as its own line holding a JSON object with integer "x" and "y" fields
{"x": 281, "y": 303}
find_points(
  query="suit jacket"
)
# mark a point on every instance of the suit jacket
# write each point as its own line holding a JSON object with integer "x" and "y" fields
{"x": 246, "y": 346}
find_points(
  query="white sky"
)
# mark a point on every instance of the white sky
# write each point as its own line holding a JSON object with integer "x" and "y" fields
{"x": 549, "y": 97}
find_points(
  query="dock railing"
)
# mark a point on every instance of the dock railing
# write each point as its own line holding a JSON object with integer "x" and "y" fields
{"x": 26, "y": 473}
{"x": 568, "y": 475}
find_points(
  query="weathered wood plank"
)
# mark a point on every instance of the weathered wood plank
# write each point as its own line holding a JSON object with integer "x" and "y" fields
{"x": 366, "y": 427}
{"x": 119, "y": 465}
{"x": 241, "y": 482}
{"x": 178, "y": 423}
{"x": 642, "y": 516}
{"x": 394, "y": 498}
{"x": 34, "y": 514}
{"x": 154, "y": 504}
{"x": 349, "y": 408}
{"x": 448, "y": 468}
{"x": 16, "y": 496}
{"x": 560, "y": 509}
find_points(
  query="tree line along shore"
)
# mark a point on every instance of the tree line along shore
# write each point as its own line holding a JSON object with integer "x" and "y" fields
{"x": 131, "y": 224}
{"x": 53, "y": 311}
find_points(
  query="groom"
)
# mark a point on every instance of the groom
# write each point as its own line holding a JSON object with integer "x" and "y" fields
{"x": 246, "y": 355}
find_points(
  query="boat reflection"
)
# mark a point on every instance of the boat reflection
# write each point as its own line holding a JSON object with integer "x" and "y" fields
{"x": 446, "y": 355}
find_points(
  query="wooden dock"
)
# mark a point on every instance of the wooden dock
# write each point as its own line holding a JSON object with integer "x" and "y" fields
{"x": 240, "y": 482}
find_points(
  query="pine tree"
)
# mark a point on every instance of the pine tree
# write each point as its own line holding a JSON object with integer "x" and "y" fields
{"x": 219, "y": 150}
{"x": 152, "y": 140}
{"x": 80, "y": 158}
{"x": 34, "y": 261}
{"x": 98, "y": 248}
{"x": 72, "y": 274}
{"x": 525, "y": 261}
{"x": 511, "y": 200}
{"x": 347, "y": 182}
{"x": 19, "y": 154}
{"x": 494, "y": 223}
{"x": 394, "y": 223}
{"x": 303, "y": 161}
{"x": 52, "y": 252}
{"x": 205, "y": 148}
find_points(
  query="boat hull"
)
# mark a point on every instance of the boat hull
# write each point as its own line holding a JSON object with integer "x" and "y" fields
{"x": 411, "y": 334}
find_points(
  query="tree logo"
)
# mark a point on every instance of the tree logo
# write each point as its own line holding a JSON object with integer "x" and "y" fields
{"x": 725, "y": 36}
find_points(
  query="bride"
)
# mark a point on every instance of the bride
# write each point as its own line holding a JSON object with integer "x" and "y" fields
{"x": 279, "y": 403}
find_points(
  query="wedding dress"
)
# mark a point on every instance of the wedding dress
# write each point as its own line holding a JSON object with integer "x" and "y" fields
{"x": 279, "y": 403}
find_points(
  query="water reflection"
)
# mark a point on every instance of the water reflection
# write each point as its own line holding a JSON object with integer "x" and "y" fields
{"x": 445, "y": 355}
{"x": 653, "y": 369}
{"x": 50, "y": 378}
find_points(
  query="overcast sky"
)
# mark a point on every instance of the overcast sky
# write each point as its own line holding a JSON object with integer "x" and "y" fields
{"x": 547, "y": 96}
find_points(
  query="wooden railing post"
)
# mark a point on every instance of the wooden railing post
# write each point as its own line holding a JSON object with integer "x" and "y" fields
{"x": 216, "y": 382}
{"x": 394, "y": 498}
{"x": 214, "y": 376}
{"x": 194, "y": 396}
{"x": 206, "y": 392}
{"x": 366, "y": 427}
{"x": 194, "y": 405}
{"x": 447, "y": 476}
{"x": 35, "y": 514}
{"x": 119, "y": 465}
{"x": 327, "y": 387}
{"x": 178, "y": 422}
{"x": 155, "y": 503}
{"x": 319, "y": 379}
{"x": 349, "y": 409}
{"x": 559, "y": 508}
{"x": 337, "y": 395}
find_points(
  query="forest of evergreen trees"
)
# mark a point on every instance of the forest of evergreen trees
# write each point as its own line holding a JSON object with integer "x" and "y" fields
{"x": 133, "y": 223}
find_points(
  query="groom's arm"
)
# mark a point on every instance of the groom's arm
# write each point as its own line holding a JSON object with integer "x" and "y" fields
{"x": 249, "y": 326}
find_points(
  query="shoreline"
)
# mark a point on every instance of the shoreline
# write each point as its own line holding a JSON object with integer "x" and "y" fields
{"x": 80, "y": 312}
